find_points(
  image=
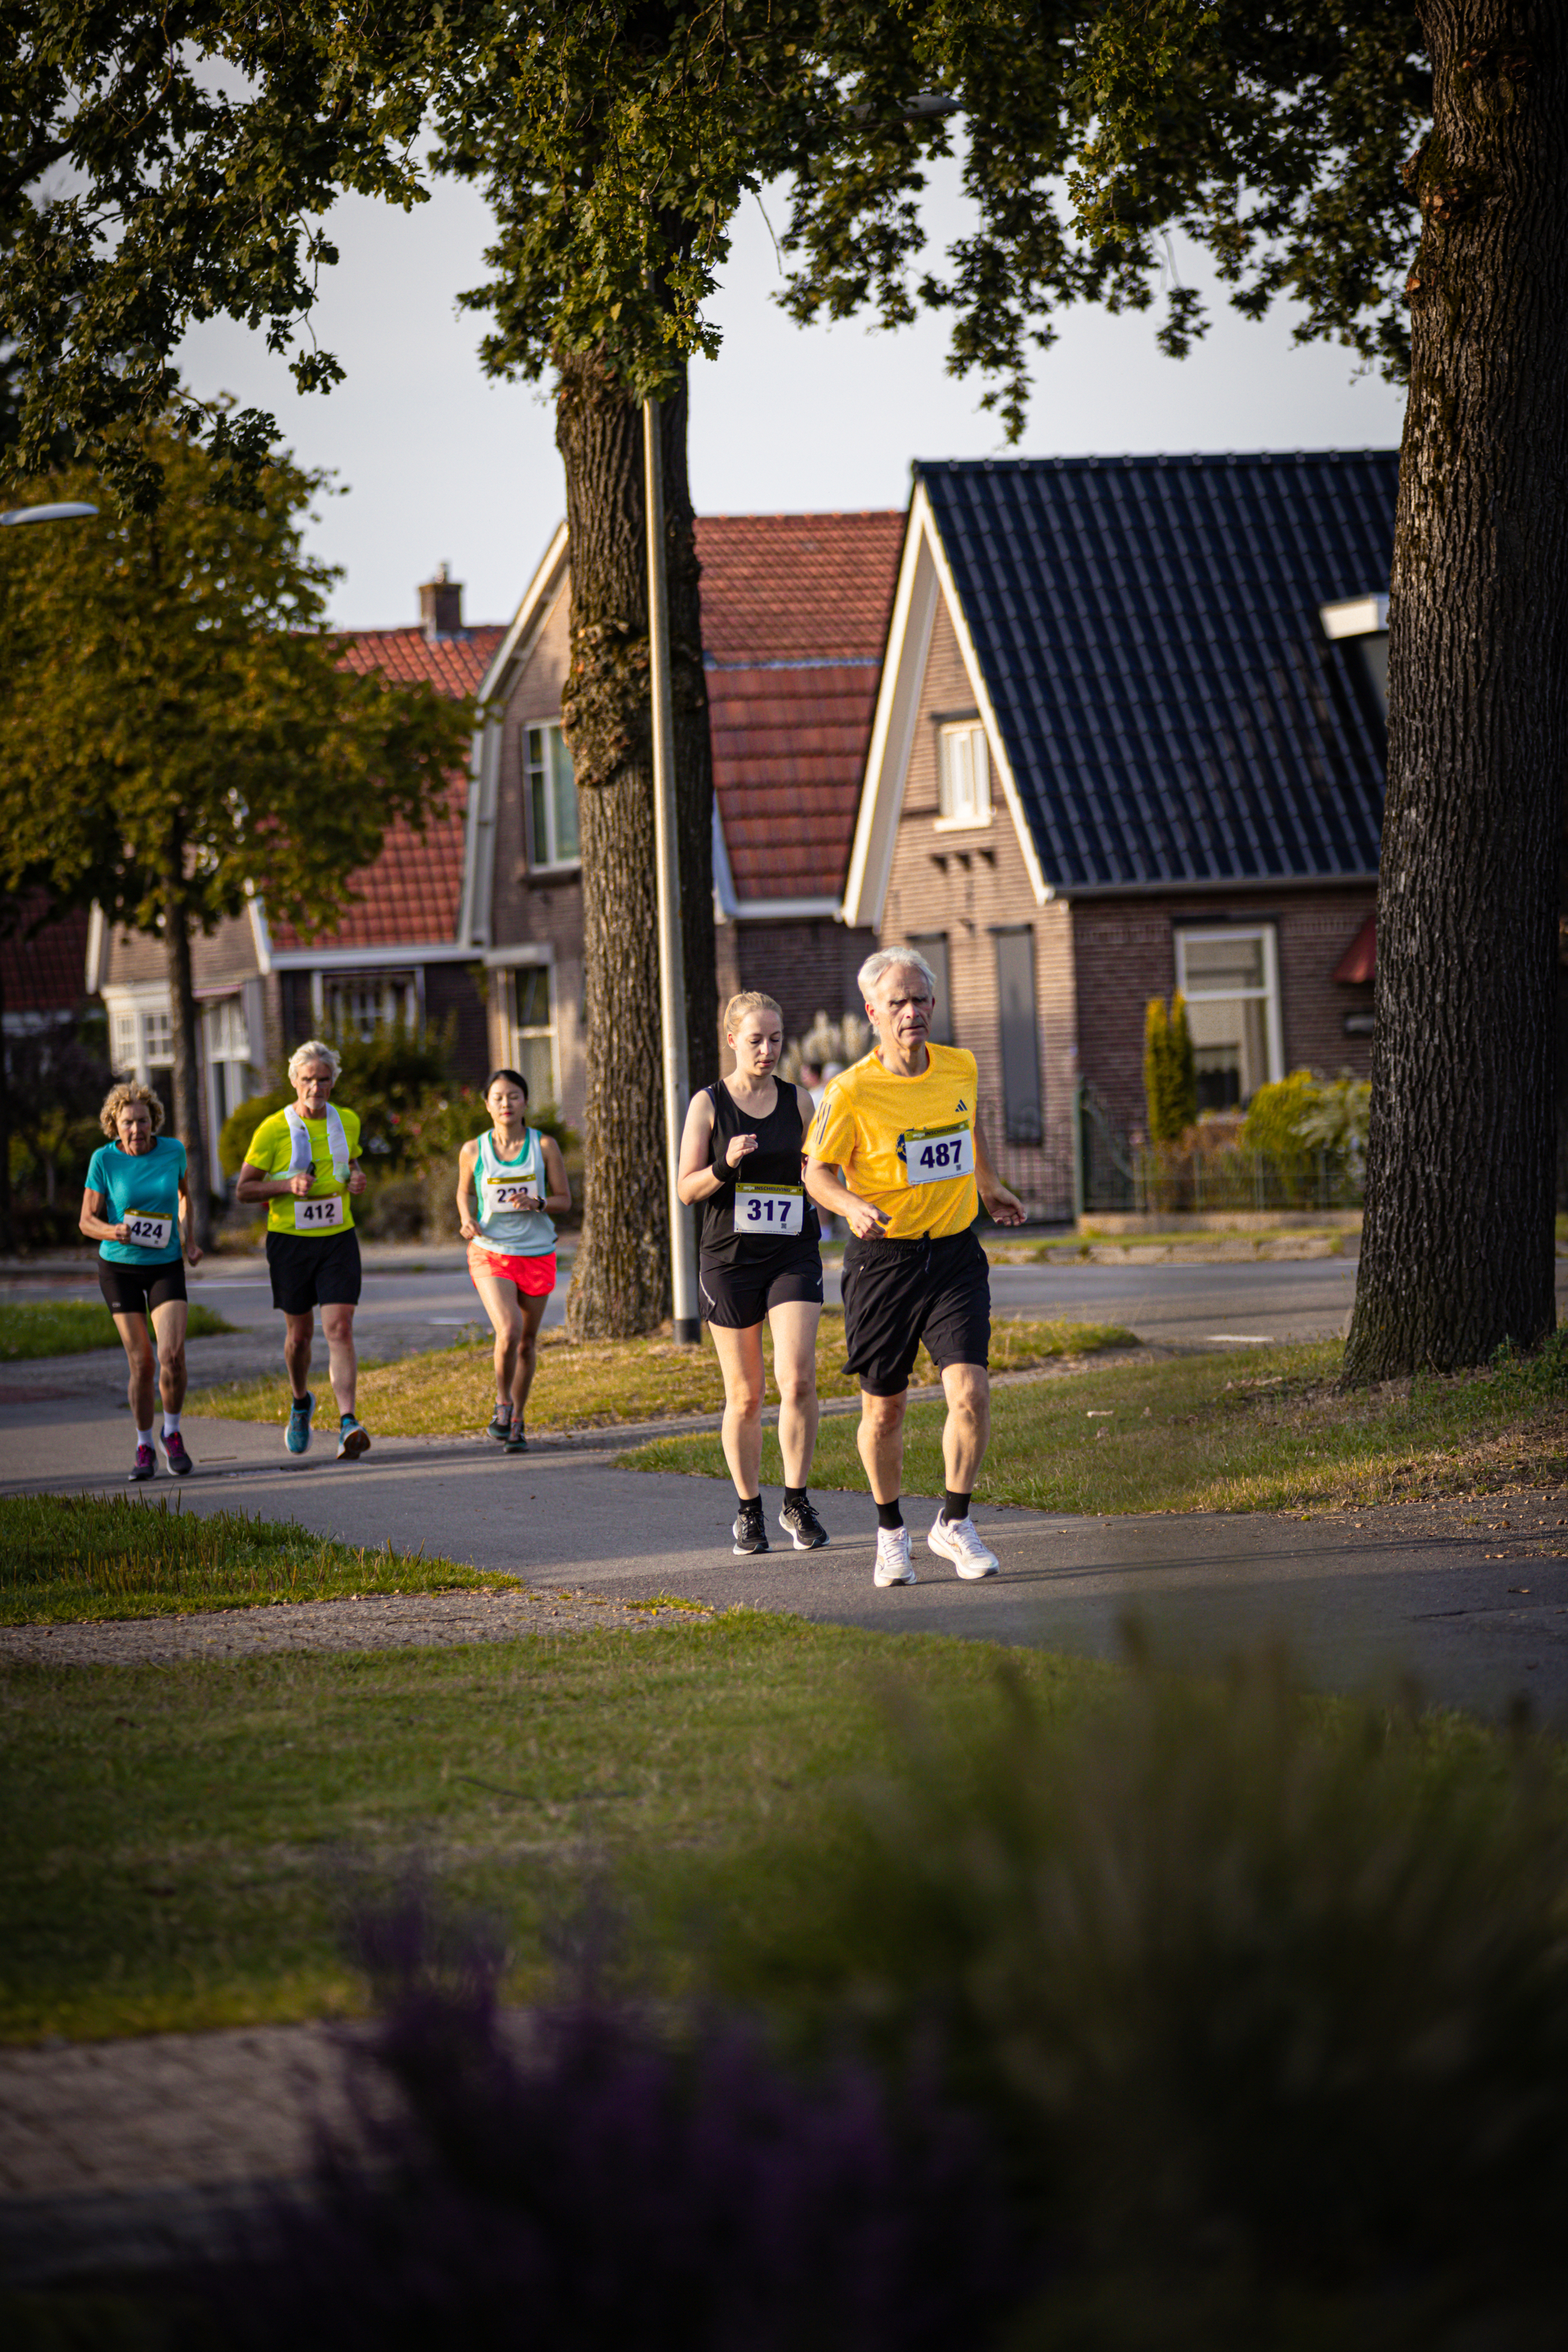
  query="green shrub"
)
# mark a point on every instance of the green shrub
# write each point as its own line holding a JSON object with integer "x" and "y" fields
{"x": 1169, "y": 1069}
{"x": 1297, "y": 1117}
{"x": 1269, "y": 2004}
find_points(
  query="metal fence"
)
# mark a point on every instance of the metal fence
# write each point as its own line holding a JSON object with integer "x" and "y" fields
{"x": 1167, "y": 1180}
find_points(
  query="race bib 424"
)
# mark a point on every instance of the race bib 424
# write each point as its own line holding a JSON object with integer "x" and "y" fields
{"x": 148, "y": 1232}
{"x": 317, "y": 1216}
{"x": 933, "y": 1154}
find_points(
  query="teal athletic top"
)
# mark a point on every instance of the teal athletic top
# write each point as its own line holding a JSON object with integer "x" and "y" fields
{"x": 142, "y": 1188}
{"x": 512, "y": 1233}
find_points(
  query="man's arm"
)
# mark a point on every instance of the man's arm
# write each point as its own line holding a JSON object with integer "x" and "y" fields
{"x": 1004, "y": 1207}
{"x": 829, "y": 1193}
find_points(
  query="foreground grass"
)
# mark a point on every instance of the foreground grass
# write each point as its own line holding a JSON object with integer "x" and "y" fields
{"x": 185, "y": 1842}
{"x": 1211, "y": 1432}
{"x": 590, "y": 1384}
{"x": 65, "y": 1558}
{"x": 70, "y": 1326}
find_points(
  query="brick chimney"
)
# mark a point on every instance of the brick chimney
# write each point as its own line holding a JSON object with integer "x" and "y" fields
{"x": 441, "y": 606}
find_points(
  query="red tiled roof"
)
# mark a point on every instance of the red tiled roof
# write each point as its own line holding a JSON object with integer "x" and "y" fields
{"x": 793, "y": 586}
{"x": 794, "y": 617}
{"x": 47, "y": 973}
{"x": 410, "y": 895}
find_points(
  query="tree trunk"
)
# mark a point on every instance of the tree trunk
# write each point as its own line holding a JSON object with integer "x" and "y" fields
{"x": 8, "y": 1233}
{"x": 621, "y": 1283}
{"x": 1458, "y": 1252}
{"x": 188, "y": 1121}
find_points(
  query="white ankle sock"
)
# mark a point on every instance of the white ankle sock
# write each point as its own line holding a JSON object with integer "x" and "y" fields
{"x": 144, "y": 1437}
{"x": 171, "y": 1424}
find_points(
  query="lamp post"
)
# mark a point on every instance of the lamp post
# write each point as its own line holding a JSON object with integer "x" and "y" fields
{"x": 666, "y": 861}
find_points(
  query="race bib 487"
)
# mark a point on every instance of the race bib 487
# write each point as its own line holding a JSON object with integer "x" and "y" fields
{"x": 317, "y": 1216}
{"x": 933, "y": 1154}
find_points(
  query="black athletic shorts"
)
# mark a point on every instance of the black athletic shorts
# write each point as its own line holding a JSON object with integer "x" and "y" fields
{"x": 307, "y": 1271}
{"x": 897, "y": 1294}
{"x": 137, "y": 1289}
{"x": 735, "y": 1293}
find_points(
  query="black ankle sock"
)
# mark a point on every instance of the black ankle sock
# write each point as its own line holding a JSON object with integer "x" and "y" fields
{"x": 955, "y": 1506}
{"x": 889, "y": 1515}
{"x": 794, "y": 1495}
{"x": 750, "y": 1505}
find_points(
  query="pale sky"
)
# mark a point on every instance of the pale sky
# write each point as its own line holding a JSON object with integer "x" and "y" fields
{"x": 441, "y": 464}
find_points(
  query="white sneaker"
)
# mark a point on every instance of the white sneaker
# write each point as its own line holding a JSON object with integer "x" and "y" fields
{"x": 956, "y": 1540}
{"x": 893, "y": 1557}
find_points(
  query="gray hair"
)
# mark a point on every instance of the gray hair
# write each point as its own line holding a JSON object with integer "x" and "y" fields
{"x": 892, "y": 960}
{"x": 314, "y": 1049}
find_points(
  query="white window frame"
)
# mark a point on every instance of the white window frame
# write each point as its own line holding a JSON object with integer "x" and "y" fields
{"x": 534, "y": 1033}
{"x": 1190, "y": 934}
{"x": 407, "y": 980}
{"x": 973, "y": 811}
{"x": 545, "y": 859}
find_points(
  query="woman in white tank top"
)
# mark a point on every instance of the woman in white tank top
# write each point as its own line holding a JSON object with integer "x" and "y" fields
{"x": 509, "y": 1181}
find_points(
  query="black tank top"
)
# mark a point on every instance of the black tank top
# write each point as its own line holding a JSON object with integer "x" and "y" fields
{"x": 775, "y": 1161}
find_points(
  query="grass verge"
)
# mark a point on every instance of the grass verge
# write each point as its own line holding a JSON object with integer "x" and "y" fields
{"x": 1210, "y": 1433}
{"x": 593, "y": 1384}
{"x": 70, "y": 1326}
{"x": 185, "y": 1842}
{"x": 67, "y": 1558}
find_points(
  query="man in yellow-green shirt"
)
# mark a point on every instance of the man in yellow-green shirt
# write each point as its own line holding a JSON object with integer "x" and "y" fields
{"x": 897, "y": 1149}
{"x": 303, "y": 1162}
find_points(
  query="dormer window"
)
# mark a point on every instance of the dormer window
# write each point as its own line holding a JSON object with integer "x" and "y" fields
{"x": 964, "y": 774}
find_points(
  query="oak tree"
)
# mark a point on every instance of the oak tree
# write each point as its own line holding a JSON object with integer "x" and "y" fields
{"x": 177, "y": 730}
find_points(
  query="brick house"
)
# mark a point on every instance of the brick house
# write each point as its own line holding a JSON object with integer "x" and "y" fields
{"x": 261, "y": 987}
{"x": 1129, "y": 738}
{"x": 795, "y": 619}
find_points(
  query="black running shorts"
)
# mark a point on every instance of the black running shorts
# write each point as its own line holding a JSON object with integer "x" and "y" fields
{"x": 137, "y": 1289}
{"x": 736, "y": 1293}
{"x": 897, "y": 1294}
{"x": 309, "y": 1272}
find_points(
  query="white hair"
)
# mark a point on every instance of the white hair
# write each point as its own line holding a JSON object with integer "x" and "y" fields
{"x": 892, "y": 960}
{"x": 314, "y": 1049}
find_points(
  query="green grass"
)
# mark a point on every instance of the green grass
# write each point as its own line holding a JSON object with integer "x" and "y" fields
{"x": 594, "y": 1384}
{"x": 66, "y": 1558}
{"x": 1264, "y": 1430}
{"x": 182, "y": 1842}
{"x": 70, "y": 1326}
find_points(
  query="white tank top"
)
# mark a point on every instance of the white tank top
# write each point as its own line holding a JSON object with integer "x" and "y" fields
{"x": 511, "y": 1232}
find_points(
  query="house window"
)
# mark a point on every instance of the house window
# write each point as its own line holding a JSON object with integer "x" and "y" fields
{"x": 1230, "y": 979}
{"x": 933, "y": 945}
{"x": 356, "y": 1003}
{"x": 1019, "y": 1036}
{"x": 527, "y": 1001}
{"x": 552, "y": 797}
{"x": 964, "y": 774}
{"x": 122, "y": 1052}
{"x": 228, "y": 1056}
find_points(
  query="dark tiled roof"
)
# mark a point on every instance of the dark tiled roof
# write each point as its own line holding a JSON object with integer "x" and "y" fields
{"x": 48, "y": 971}
{"x": 410, "y": 895}
{"x": 1147, "y": 630}
{"x": 795, "y": 619}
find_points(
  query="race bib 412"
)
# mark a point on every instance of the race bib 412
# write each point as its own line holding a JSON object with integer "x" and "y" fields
{"x": 317, "y": 1216}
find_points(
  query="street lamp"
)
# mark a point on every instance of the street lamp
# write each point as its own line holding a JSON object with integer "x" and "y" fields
{"x": 69, "y": 511}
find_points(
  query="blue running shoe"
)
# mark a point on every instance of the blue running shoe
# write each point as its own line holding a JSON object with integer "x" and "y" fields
{"x": 353, "y": 1439}
{"x": 296, "y": 1438}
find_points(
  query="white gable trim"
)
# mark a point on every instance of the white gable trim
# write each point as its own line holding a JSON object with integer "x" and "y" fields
{"x": 724, "y": 905}
{"x": 925, "y": 576}
{"x": 484, "y": 758}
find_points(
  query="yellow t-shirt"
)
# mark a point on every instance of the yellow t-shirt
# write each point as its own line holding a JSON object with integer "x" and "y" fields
{"x": 269, "y": 1150}
{"x": 874, "y": 1125}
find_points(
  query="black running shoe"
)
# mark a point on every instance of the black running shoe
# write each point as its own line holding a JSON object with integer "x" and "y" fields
{"x": 516, "y": 1437}
{"x": 750, "y": 1529}
{"x": 799, "y": 1520}
{"x": 500, "y": 1426}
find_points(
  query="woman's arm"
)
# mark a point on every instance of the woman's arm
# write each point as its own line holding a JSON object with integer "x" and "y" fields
{"x": 467, "y": 1161}
{"x": 559, "y": 1197}
{"x": 92, "y": 1222}
{"x": 697, "y": 1180}
{"x": 191, "y": 1247}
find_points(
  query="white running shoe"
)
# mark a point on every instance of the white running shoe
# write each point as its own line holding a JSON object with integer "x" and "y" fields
{"x": 956, "y": 1540}
{"x": 893, "y": 1557}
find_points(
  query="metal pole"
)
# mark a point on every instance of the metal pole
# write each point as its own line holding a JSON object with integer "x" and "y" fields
{"x": 666, "y": 859}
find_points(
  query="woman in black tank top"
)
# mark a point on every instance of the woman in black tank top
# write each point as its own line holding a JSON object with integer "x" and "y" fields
{"x": 759, "y": 1261}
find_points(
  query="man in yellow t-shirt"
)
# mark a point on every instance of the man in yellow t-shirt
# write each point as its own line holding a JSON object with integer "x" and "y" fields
{"x": 897, "y": 1149}
{"x": 304, "y": 1163}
